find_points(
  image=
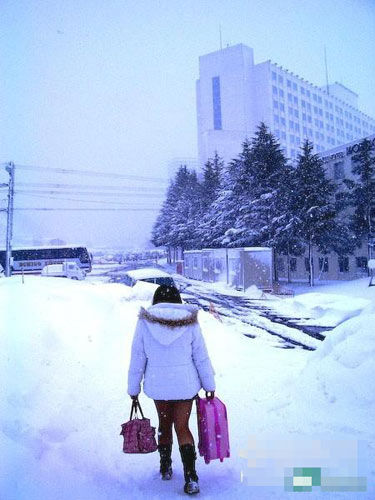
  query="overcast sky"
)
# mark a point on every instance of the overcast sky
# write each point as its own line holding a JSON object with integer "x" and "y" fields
{"x": 109, "y": 86}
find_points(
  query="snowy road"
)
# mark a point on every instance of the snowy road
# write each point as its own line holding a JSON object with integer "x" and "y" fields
{"x": 255, "y": 318}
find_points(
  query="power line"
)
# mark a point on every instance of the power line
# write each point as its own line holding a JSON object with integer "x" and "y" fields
{"x": 87, "y": 193}
{"x": 59, "y": 198}
{"x": 92, "y": 173}
{"x": 50, "y": 209}
{"x": 88, "y": 186}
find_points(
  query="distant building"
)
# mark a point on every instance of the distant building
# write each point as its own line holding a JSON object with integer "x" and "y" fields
{"x": 234, "y": 95}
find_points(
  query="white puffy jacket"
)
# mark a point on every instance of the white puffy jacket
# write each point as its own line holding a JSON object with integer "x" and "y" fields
{"x": 170, "y": 352}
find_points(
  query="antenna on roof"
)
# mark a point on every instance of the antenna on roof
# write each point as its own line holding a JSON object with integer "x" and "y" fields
{"x": 221, "y": 40}
{"x": 326, "y": 65}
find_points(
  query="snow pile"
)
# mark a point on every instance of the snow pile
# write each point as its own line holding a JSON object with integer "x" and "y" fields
{"x": 344, "y": 365}
{"x": 142, "y": 290}
{"x": 253, "y": 292}
{"x": 321, "y": 308}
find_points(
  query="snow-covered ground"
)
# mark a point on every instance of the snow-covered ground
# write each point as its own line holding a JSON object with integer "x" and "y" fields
{"x": 64, "y": 353}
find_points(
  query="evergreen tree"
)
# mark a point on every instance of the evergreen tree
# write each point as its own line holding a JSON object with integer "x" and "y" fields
{"x": 315, "y": 222}
{"x": 186, "y": 210}
{"x": 284, "y": 224}
{"x": 361, "y": 194}
{"x": 259, "y": 182}
{"x": 175, "y": 226}
{"x": 224, "y": 213}
{"x": 212, "y": 172}
{"x": 161, "y": 231}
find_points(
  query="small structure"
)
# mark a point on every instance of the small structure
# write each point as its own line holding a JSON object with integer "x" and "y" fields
{"x": 238, "y": 267}
{"x": 193, "y": 264}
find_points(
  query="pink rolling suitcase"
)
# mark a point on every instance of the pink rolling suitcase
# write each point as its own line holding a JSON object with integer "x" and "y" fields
{"x": 212, "y": 429}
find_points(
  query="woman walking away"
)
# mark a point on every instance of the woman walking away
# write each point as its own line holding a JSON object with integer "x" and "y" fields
{"x": 169, "y": 351}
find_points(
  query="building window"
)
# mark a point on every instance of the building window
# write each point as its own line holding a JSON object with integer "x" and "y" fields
{"x": 303, "y": 90}
{"x": 195, "y": 263}
{"x": 323, "y": 264}
{"x": 343, "y": 264}
{"x": 276, "y": 118}
{"x": 281, "y": 93}
{"x": 274, "y": 89}
{"x": 281, "y": 79}
{"x": 283, "y": 135}
{"x": 216, "y": 102}
{"x": 293, "y": 264}
{"x": 273, "y": 76}
{"x": 282, "y": 108}
{"x": 289, "y": 83}
{"x": 361, "y": 263}
{"x": 275, "y": 104}
{"x": 295, "y": 100}
{"x": 282, "y": 120}
{"x": 290, "y": 98}
{"x": 296, "y": 114}
{"x": 308, "y": 93}
{"x": 294, "y": 86}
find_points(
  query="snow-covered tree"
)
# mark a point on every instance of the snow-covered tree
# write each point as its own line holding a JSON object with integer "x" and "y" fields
{"x": 315, "y": 221}
{"x": 361, "y": 194}
{"x": 175, "y": 226}
{"x": 212, "y": 172}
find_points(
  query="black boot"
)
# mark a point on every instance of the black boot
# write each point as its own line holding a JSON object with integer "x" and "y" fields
{"x": 188, "y": 457}
{"x": 165, "y": 451}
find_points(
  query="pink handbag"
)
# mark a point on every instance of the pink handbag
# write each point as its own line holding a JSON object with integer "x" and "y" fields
{"x": 139, "y": 436}
{"x": 212, "y": 429}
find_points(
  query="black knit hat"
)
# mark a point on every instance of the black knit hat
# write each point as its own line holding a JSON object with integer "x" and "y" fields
{"x": 167, "y": 293}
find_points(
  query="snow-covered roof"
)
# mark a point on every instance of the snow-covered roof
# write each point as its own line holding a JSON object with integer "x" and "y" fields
{"x": 257, "y": 249}
{"x": 147, "y": 272}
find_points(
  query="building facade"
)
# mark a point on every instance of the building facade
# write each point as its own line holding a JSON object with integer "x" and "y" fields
{"x": 234, "y": 95}
{"x": 338, "y": 163}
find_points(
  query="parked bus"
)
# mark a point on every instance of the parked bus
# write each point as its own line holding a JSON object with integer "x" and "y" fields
{"x": 32, "y": 260}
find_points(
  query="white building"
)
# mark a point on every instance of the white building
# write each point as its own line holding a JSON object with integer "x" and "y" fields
{"x": 234, "y": 95}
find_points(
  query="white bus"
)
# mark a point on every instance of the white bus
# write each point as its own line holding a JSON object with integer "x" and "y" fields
{"x": 31, "y": 260}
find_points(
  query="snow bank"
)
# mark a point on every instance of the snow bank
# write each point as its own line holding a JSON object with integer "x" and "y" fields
{"x": 142, "y": 291}
{"x": 343, "y": 366}
{"x": 322, "y": 309}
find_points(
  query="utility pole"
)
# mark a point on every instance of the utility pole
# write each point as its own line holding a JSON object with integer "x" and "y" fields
{"x": 8, "y": 254}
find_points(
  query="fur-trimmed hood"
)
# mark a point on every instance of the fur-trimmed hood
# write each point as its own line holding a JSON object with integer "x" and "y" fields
{"x": 167, "y": 322}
